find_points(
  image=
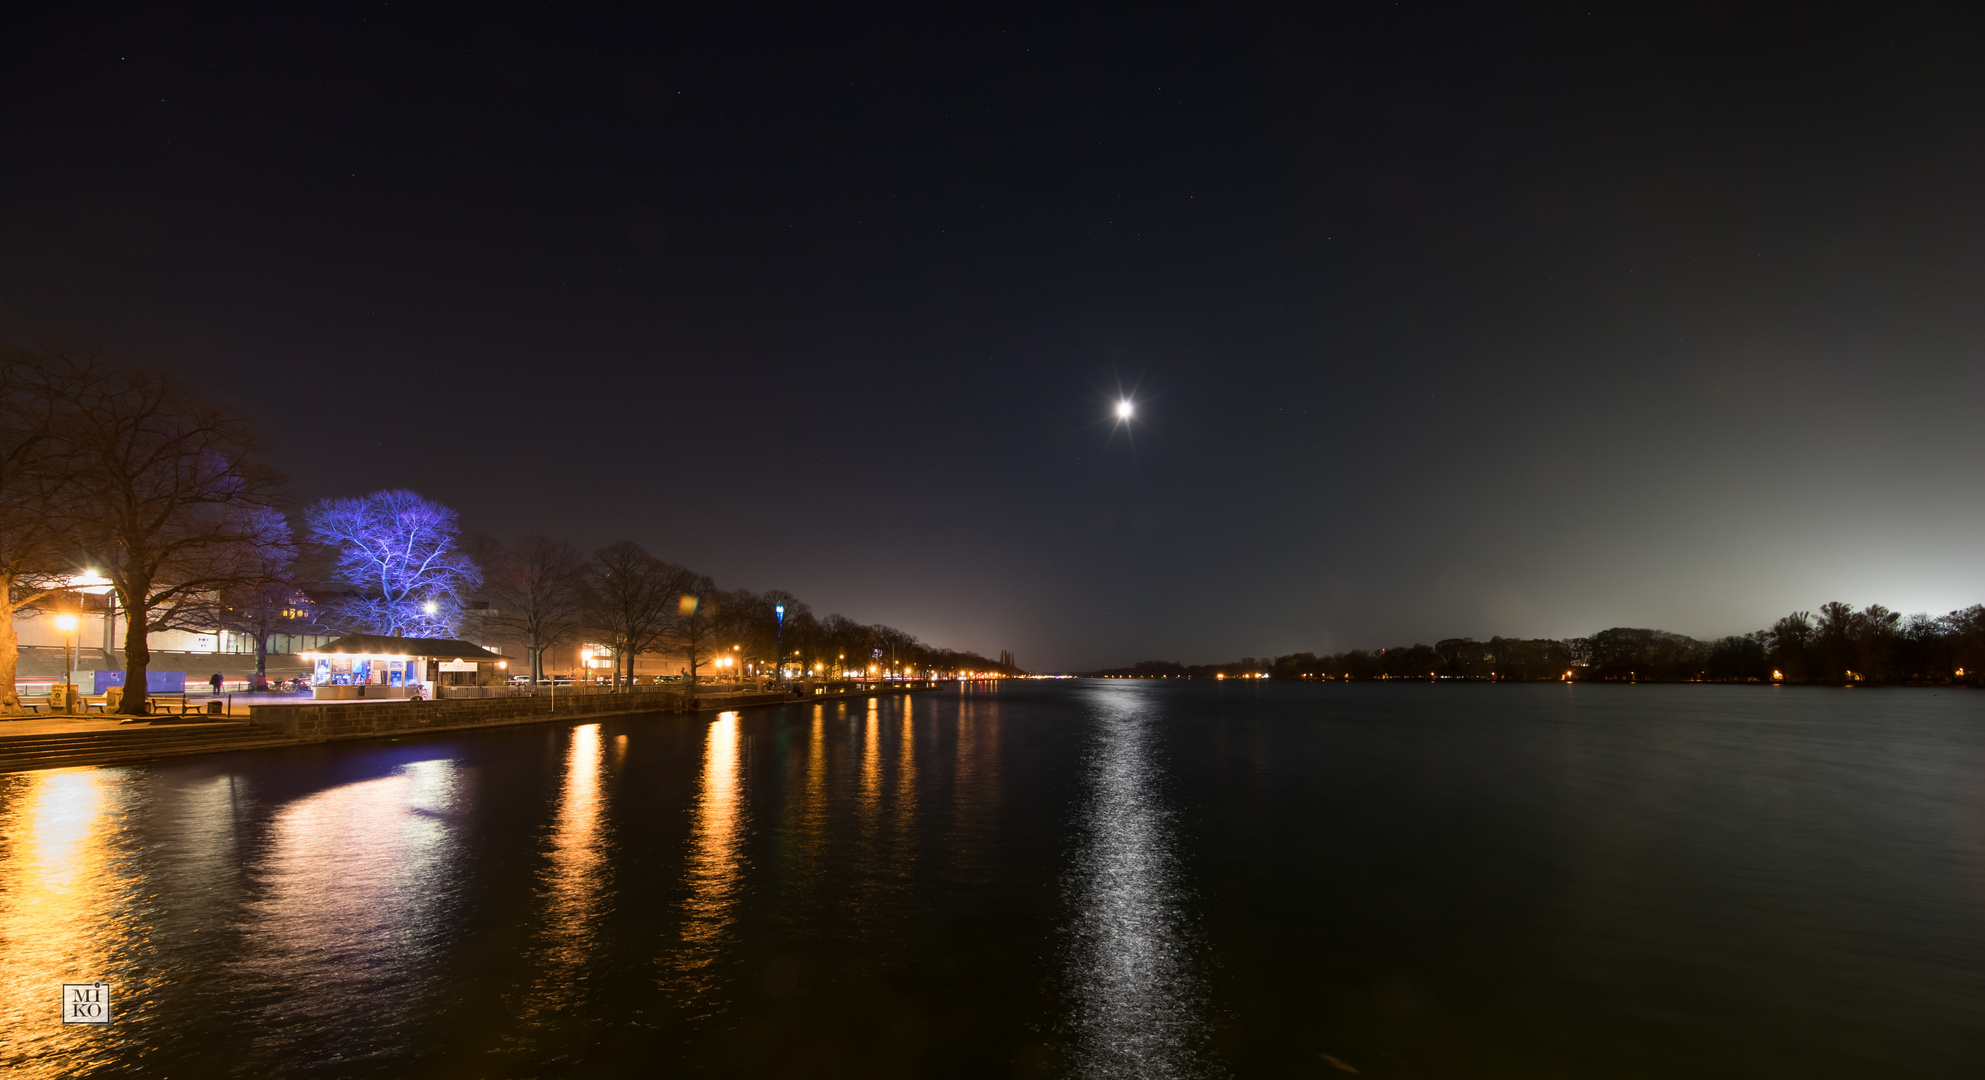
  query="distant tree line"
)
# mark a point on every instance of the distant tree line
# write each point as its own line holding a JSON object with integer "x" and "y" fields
{"x": 1837, "y": 646}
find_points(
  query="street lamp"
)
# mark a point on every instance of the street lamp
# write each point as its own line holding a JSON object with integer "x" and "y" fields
{"x": 66, "y": 623}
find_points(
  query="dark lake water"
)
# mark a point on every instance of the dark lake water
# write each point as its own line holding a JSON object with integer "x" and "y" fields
{"x": 1107, "y": 879}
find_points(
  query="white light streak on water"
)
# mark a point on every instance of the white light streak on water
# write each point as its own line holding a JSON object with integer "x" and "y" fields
{"x": 1139, "y": 1004}
{"x": 354, "y": 885}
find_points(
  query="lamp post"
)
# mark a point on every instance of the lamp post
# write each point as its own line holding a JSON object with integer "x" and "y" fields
{"x": 66, "y": 623}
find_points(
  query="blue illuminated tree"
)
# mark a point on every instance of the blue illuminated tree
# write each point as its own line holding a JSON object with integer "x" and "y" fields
{"x": 396, "y": 551}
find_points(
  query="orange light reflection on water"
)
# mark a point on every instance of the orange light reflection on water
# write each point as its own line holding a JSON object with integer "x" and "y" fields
{"x": 716, "y": 864}
{"x": 904, "y": 812}
{"x": 812, "y": 803}
{"x": 64, "y": 917}
{"x": 573, "y": 893}
{"x": 870, "y": 802}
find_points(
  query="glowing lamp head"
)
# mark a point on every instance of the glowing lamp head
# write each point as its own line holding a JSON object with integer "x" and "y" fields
{"x": 1125, "y": 409}
{"x": 431, "y": 608}
{"x": 65, "y": 622}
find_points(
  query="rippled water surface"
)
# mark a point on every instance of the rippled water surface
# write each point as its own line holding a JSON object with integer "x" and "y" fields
{"x": 1109, "y": 879}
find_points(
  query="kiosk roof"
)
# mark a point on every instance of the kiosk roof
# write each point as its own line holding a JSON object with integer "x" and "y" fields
{"x": 384, "y": 645}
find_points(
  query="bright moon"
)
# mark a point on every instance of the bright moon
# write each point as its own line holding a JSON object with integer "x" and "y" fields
{"x": 1123, "y": 410}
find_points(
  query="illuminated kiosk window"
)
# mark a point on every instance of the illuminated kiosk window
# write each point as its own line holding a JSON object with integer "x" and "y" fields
{"x": 373, "y": 666}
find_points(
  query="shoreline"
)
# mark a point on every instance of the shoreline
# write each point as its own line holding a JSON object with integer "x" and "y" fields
{"x": 61, "y": 742}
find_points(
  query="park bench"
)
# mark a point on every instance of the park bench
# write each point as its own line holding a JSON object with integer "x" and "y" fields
{"x": 37, "y": 706}
{"x": 158, "y": 702}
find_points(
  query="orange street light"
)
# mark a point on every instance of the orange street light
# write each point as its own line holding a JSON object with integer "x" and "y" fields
{"x": 66, "y": 623}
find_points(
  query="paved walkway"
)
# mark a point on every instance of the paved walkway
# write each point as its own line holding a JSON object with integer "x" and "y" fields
{"x": 234, "y": 704}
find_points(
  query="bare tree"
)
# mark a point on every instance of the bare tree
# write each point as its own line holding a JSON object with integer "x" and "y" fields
{"x": 399, "y": 550}
{"x": 32, "y": 566}
{"x": 897, "y": 647}
{"x": 169, "y": 501}
{"x": 847, "y": 641}
{"x": 273, "y": 603}
{"x": 631, "y": 597}
{"x": 789, "y": 628}
{"x": 748, "y": 620}
{"x": 1791, "y": 642}
{"x": 535, "y": 591}
{"x": 694, "y": 627}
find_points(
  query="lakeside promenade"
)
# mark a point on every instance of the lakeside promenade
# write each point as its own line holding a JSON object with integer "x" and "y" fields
{"x": 46, "y": 742}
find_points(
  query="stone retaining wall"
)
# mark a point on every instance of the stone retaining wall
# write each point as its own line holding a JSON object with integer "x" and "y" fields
{"x": 356, "y": 720}
{"x": 364, "y": 720}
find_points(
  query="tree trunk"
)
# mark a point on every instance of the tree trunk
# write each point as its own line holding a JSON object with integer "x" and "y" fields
{"x": 137, "y": 656}
{"x": 262, "y": 658}
{"x": 10, "y": 648}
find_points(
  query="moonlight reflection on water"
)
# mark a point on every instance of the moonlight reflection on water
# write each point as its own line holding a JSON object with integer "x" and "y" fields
{"x": 1140, "y": 1005}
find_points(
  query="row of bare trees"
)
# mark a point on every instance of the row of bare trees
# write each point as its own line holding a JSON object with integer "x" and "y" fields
{"x": 542, "y": 593}
{"x": 127, "y": 473}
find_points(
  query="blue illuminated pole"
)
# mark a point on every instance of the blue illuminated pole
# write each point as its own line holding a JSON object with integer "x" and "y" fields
{"x": 779, "y": 640}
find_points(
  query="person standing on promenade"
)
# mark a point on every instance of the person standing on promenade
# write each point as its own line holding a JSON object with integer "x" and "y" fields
{"x": 215, "y": 682}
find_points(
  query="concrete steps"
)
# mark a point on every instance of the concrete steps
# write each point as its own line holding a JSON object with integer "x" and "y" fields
{"x": 51, "y": 750}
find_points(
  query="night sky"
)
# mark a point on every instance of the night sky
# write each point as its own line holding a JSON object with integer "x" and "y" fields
{"x": 1440, "y": 320}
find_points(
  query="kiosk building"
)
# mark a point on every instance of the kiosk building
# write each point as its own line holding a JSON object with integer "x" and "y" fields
{"x": 379, "y": 666}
